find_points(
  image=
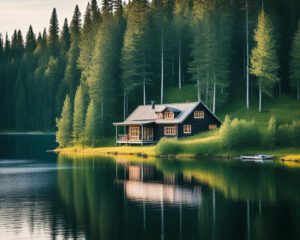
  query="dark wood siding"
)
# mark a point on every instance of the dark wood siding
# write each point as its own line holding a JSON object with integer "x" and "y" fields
{"x": 198, "y": 125}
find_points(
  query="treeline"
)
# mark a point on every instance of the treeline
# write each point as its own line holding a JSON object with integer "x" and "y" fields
{"x": 111, "y": 59}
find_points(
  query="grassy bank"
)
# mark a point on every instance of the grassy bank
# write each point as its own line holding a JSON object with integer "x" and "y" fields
{"x": 251, "y": 135}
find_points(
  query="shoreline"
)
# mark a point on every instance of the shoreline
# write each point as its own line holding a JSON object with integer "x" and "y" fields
{"x": 26, "y": 133}
{"x": 150, "y": 151}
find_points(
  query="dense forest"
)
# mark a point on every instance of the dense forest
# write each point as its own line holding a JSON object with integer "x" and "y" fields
{"x": 84, "y": 75}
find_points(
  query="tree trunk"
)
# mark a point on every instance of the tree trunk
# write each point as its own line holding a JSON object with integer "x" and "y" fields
{"x": 173, "y": 69}
{"x": 298, "y": 91}
{"x": 144, "y": 84}
{"x": 260, "y": 96}
{"x": 162, "y": 68}
{"x": 247, "y": 55}
{"x": 124, "y": 106}
{"x": 198, "y": 86}
{"x": 144, "y": 91}
{"x": 214, "y": 96}
{"x": 179, "y": 64}
{"x": 206, "y": 92}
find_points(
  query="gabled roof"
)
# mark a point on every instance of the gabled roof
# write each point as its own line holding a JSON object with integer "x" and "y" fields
{"x": 144, "y": 114}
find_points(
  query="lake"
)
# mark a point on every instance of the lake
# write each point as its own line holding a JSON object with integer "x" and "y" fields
{"x": 46, "y": 196}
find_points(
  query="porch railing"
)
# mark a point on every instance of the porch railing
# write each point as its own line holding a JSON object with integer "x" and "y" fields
{"x": 127, "y": 138}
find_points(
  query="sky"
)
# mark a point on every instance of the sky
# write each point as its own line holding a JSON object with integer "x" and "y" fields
{"x": 19, "y": 14}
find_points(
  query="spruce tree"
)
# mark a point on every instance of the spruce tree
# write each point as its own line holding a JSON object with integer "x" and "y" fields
{"x": 86, "y": 45}
{"x": 53, "y": 39}
{"x": 90, "y": 124}
{"x": 72, "y": 73}
{"x": 135, "y": 55}
{"x": 264, "y": 61}
{"x": 79, "y": 115}
{"x": 64, "y": 125}
{"x": 295, "y": 63}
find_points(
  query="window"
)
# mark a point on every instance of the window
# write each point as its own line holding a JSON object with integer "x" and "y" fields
{"x": 212, "y": 126}
{"x": 170, "y": 131}
{"x": 187, "y": 129}
{"x": 160, "y": 116}
{"x": 199, "y": 114}
{"x": 169, "y": 115}
{"x": 134, "y": 133}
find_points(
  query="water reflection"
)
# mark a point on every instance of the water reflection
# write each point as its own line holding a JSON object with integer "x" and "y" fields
{"x": 44, "y": 196}
{"x": 175, "y": 200}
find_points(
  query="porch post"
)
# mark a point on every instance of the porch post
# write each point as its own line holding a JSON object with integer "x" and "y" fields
{"x": 116, "y": 135}
{"x": 142, "y": 134}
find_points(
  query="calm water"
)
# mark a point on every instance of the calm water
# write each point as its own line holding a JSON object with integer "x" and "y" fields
{"x": 44, "y": 196}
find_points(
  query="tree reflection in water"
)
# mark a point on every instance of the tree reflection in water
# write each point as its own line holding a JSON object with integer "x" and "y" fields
{"x": 164, "y": 199}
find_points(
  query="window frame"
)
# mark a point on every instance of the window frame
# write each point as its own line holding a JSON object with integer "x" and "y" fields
{"x": 134, "y": 132}
{"x": 170, "y": 130}
{"x": 169, "y": 115}
{"x": 200, "y": 116}
{"x": 212, "y": 126}
{"x": 187, "y": 129}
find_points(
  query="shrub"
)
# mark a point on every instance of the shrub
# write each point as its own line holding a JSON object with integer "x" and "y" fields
{"x": 270, "y": 134}
{"x": 239, "y": 133}
{"x": 289, "y": 134}
{"x": 168, "y": 146}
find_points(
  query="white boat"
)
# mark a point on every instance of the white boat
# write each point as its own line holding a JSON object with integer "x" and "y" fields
{"x": 257, "y": 157}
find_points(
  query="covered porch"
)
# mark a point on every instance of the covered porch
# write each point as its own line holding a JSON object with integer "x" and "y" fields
{"x": 135, "y": 132}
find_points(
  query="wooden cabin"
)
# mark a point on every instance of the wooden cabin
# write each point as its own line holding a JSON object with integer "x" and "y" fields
{"x": 149, "y": 123}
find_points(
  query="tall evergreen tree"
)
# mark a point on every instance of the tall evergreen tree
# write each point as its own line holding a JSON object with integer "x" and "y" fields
{"x": 53, "y": 39}
{"x": 264, "y": 61}
{"x": 90, "y": 124}
{"x": 79, "y": 115}
{"x": 86, "y": 45}
{"x": 135, "y": 56}
{"x": 295, "y": 63}
{"x": 64, "y": 125}
{"x": 72, "y": 73}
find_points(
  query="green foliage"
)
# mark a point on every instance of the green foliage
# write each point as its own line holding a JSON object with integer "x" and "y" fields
{"x": 289, "y": 134}
{"x": 168, "y": 147}
{"x": 64, "y": 125}
{"x": 295, "y": 63}
{"x": 239, "y": 133}
{"x": 79, "y": 115}
{"x": 264, "y": 60}
{"x": 90, "y": 125}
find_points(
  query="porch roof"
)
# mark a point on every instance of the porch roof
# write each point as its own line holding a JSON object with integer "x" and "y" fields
{"x": 126, "y": 123}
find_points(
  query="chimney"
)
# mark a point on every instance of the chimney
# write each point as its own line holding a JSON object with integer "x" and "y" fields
{"x": 153, "y": 104}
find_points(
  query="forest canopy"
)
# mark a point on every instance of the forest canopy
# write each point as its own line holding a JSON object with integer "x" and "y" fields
{"x": 113, "y": 56}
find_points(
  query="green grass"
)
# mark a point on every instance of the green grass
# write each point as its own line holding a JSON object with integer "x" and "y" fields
{"x": 284, "y": 108}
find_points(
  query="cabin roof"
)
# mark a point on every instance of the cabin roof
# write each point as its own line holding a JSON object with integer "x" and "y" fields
{"x": 144, "y": 114}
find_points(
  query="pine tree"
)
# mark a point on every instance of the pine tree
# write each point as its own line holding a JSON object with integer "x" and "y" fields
{"x": 90, "y": 124}
{"x": 102, "y": 74}
{"x": 264, "y": 61}
{"x": 65, "y": 37}
{"x": 95, "y": 15}
{"x": 72, "y": 73}
{"x": 79, "y": 115}
{"x": 295, "y": 63}
{"x": 86, "y": 45}
{"x": 64, "y": 125}
{"x": 135, "y": 55}
{"x": 181, "y": 13}
{"x": 53, "y": 39}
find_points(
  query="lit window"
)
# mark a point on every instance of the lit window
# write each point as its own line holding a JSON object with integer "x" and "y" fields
{"x": 212, "y": 126}
{"x": 198, "y": 114}
{"x": 169, "y": 115}
{"x": 170, "y": 131}
{"x": 187, "y": 129}
{"x": 134, "y": 133}
{"x": 160, "y": 116}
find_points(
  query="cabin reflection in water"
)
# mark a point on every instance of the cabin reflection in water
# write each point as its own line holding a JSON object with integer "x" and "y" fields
{"x": 144, "y": 183}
